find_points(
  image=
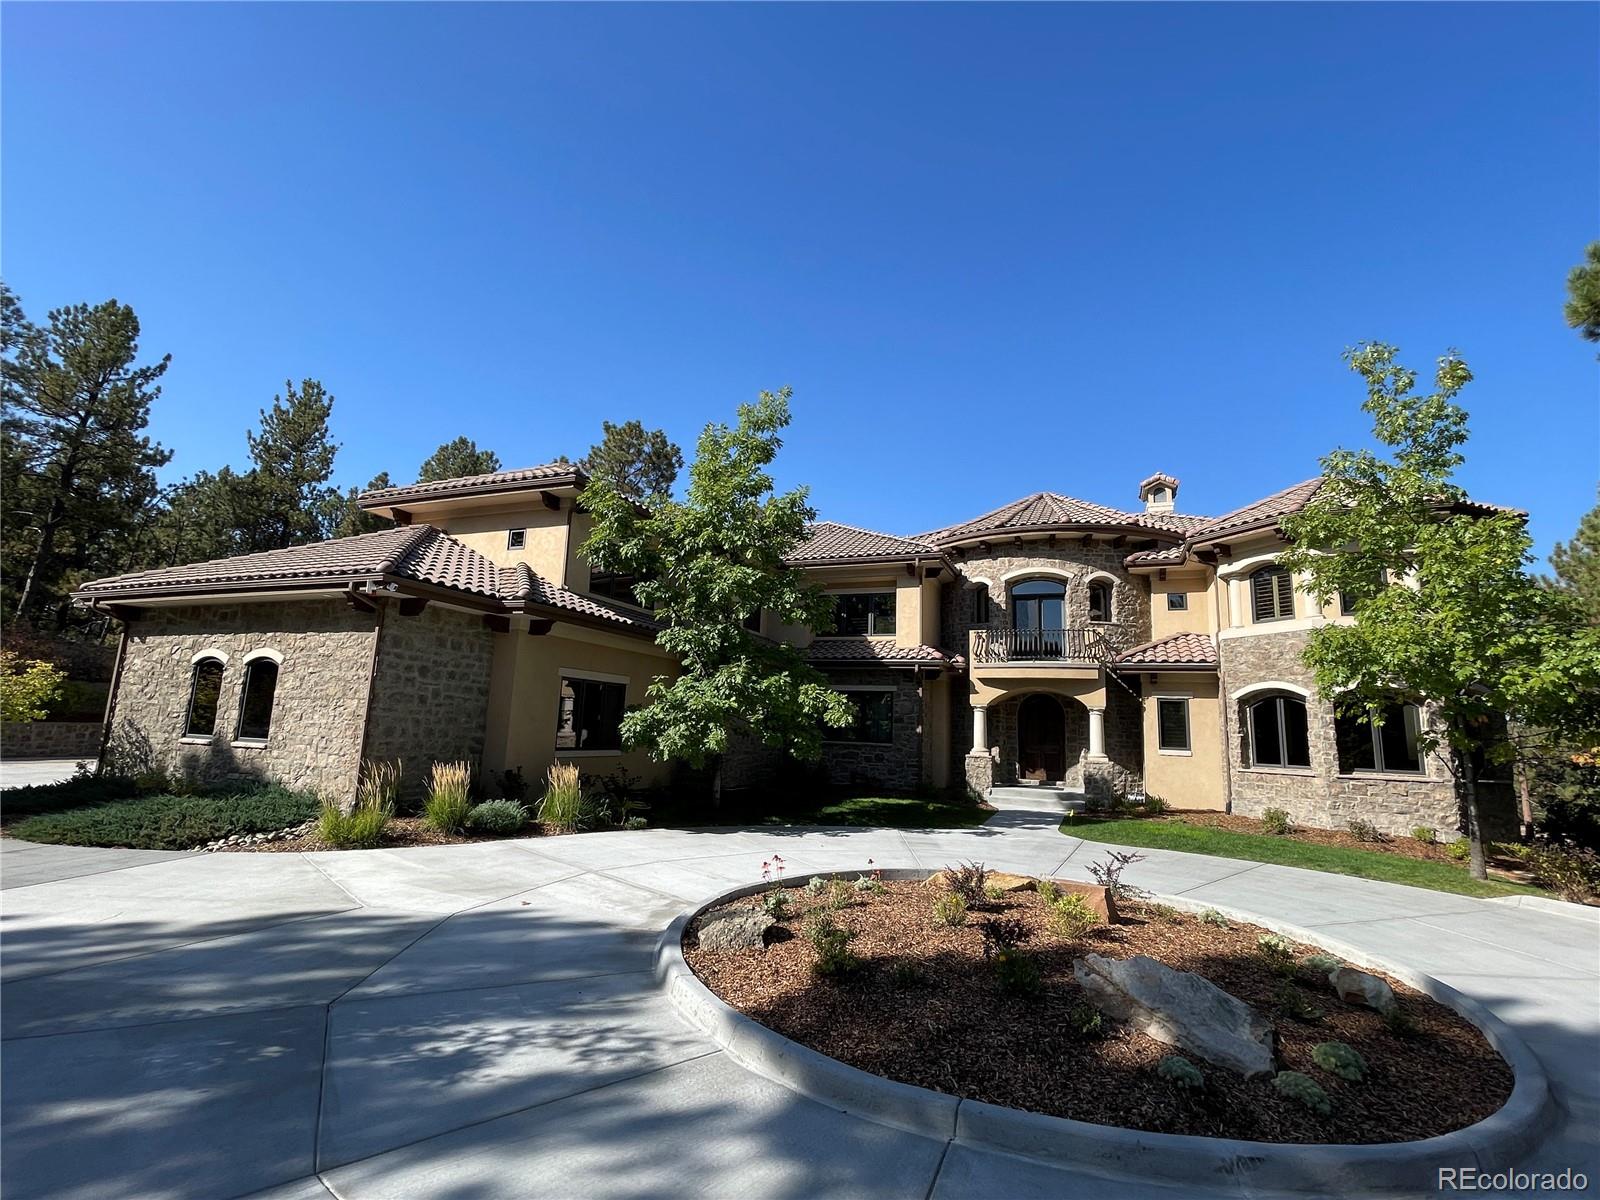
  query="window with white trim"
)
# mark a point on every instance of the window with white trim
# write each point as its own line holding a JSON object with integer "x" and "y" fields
{"x": 516, "y": 539}
{"x": 205, "y": 689}
{"x": 255, "y": 707}
{"x": 1277, "y": 728}
{"x": 1271, "y": 594}
{"x": 1392, "y": 745}
{"x": 1172, "y": 723}
{"x": 589, "y": 714}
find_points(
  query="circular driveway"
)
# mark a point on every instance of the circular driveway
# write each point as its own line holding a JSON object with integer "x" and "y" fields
{"x": 479, "y": 1021}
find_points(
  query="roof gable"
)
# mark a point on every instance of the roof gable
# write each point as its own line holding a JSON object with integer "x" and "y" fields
{"x": 831, "y": 541}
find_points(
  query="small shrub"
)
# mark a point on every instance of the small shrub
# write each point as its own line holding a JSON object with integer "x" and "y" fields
{"x": 1048, "y": 891}
{"x": 378, "y": 786}
{"x": 1154, "y": 806}
{"x": 1460, "y": 849}
{"x": 816, "y": 885}
{"x": 832, "y": 945}
{"x": 1001, "y": 934}
{"x": 1108, "y": 873}
{"x": 499, "y": 817}
{"x": 1276, "y": 822}
{"x": 1321, "y": 965}
{"x": 1212, "y": 917}
{"x": 993, "y": 892}
{"x": 950, "y": 910}
{"x": 1017, "y": 972}
{"x": 1085, "y": 1020}
{"x": 868, "y": 885}
{"x": 1339, "y": 1059}
{"x": 1304, "y": 1090}
{"x": 1278, "y": 953}
{"x": 359, "y": 829}
{"x": 1292, "y": 1003}
{"x": 1180, "y": 1073}
{"x": 1365, "y": 831}
{"x": 776, "y": 904}
{"x": 1071, "y": 916}
{"x": 1399, "y": 1023}
{"x": 449, "y": 796}
{"x": 969, "y": 881}
{"x": 166, "y": 822}
{"x": 838, "y": 895}
{"x": 1164, "y": 913}
{"x": 562, "y": 806}
{"x": 636, "y": 823}
{"x": 28, "y": 687}
{"x": 77, "y": 792}
{"x": 906, "y": 974}
{"x": 1572, "y": 872}
{"x": 1426, "y": 834}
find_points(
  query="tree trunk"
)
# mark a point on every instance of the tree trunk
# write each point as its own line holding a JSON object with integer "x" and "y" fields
{"x": 1525, "y": 796}
{"x": 716, "y": 785}
{"x": 1469, "y": 790}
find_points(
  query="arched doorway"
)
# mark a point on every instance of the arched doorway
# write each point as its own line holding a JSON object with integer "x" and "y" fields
{"x": 1041, "y": 738}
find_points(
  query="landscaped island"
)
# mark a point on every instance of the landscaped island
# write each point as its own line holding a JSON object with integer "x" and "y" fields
{"x": 996, "y": 989}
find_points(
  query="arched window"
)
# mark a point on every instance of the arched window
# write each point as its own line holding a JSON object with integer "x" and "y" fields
{"x": 1099, "y": 601}
{"x": 205, "y": 687}
{"x": 1277, "y": 726}
{"x": 1271, "y": 594}
{"x": 1365, "y": 745}
{"x": 260, "y": 688}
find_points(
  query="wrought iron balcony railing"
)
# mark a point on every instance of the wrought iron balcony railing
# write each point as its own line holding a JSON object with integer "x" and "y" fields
{"x": 1084, "y": 644}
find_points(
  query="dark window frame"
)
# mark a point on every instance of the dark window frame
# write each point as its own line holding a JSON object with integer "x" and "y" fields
{"x": 852, "y": 735}
{"x": 1271, "y": 594}
{"x": 1177, "y": 601}
{"x": 1034, "y": 601}
{"x": 1277, "y": 709}
{"x": 1100, "y": 587}
{"x": 253, "y": 670}
{"x": 1161, "y": 730}
{"x": 1355, "y": 734}
{"x": 588, "y": 711}
{"x": 516, "y": 539}
{"x": 204, "y": 661}
{"x": 872, "y": 622}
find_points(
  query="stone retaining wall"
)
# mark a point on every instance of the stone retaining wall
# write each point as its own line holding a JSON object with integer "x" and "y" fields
{"x": 50, "y": 739}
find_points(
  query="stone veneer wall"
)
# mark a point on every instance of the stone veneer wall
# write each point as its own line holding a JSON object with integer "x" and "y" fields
{"x": 431, "y": 694}
{"x": 1118, "y": 774}
{"x": 318, "y": 710}
{"x": 895, "y": 766}
{"x": 1130, "y": 595}
{"x": 1320, "y": 796}
{"x": 50, "y": 739}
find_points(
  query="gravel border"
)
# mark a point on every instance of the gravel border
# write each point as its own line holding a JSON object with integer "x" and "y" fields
{"x": 1492, "y": 1144}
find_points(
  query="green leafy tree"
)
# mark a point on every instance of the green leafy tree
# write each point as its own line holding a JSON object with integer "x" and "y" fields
{"x": 456, "y": 460}
{"x": 78, "y": 471}
{"x": 1583, "y": 294}
{"x": 638, "y": 462}
{"x": 1577, "y": 564}
{"x": 355, "y": 521}
{"x": 28, "y": 688}
{"x": 706, "y": 565}
{"x": 1445, "y": 610}
{"x": 289, "y": 492}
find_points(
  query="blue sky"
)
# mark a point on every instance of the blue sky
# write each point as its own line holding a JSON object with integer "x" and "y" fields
{"x": 993, "y": 249}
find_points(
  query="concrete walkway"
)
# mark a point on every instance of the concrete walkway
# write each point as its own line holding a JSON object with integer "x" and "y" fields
{"x": 479, "y": 1021}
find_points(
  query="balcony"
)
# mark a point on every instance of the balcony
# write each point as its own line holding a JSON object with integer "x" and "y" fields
{"x": 1081, "y": 646}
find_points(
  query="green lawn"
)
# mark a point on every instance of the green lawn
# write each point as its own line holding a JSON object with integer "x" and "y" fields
{"x": 1365, "y": 864}
{"x": 894, "y": 812}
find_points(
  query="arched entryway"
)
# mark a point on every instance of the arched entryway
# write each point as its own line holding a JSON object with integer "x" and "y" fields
{"x": 1041, "y": 738}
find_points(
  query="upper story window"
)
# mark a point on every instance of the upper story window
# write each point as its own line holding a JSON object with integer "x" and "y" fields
{"x": 614, "y": 587}
{"x": 1365, "y": 745}
{"x": 1277, "y": 726}
{"x": 205, "y": 689}
{"x": 260, "y": 690}
{"x": 589, "y": 713}
{"x": 863, "y": 614}
{"x": 1177, "y": 601}
{"x": 1271, "y": 594}
{"x": 1099, "y": 601}
{"x": 980, "y": 605}
{"x": 1348, "y": 603}
{"x": 1038, "y": 604}
{"x": 1160, "y": 495}
{"x": 516, "y": 539}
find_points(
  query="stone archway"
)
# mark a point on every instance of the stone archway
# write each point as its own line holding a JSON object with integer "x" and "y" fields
{"x": 1041, "y": 739}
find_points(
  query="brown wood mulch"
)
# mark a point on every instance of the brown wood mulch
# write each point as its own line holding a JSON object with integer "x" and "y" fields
{"x": 952, "y": 1028}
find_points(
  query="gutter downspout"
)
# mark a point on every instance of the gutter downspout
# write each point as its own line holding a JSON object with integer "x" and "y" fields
{"x": 366, "y": 711}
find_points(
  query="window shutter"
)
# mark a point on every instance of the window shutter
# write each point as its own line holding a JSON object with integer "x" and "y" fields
{"x": 1285, "y": 582}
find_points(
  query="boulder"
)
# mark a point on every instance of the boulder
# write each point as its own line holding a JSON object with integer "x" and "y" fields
{"x": 1357, "y": 987}
{"x": 1098, "y": 898}
{"x": 1179, "y": 1009}
{"x": 1004, "y": 880}
{"x": 730, "y": 929}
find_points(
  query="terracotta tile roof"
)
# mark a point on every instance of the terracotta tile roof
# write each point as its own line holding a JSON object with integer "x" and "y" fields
{"x": 1178, "y": 650}
{"x": 1165, "y": 556}
{"x": 1158, "y": 477}
{"x": 444, "y": 562}
{"x": 829, "y": 541}
{"x": 1046, "y": 509}
{"x": 1262, "y": 512}
{"x": 342, "y": 558}
{"x": 864, "y": 650}
{"x": 519, "y": 583}
{"x": 472, "y": 485}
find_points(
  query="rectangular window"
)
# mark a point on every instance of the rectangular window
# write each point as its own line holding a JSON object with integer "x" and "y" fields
{"x": 589, "y": 714}
{"x": 613, "y": 587}
{"x": 980, "y": 605}
{"x": 874, "y": 721}
{"x": 516, "y": 539}
{"x": 863, "y": 614}
{"x": 1271, "y": 594}
{"x": 1177, "y": 601}
{"x": 1172, "y": 723}
{"x": 1393, "y": 746}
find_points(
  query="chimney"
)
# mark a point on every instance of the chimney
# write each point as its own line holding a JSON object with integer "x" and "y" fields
{"x": 1159, "y": 493}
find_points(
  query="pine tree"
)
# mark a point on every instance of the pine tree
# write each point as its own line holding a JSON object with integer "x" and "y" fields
{"x": 457, "y": 460}
{"x": 355, "y": 521}
{"x": 641, "y": 463}
{"x": 289, "y": 499}
{"x": 1577, "y": 564}
{"x": 1583, "y": 294}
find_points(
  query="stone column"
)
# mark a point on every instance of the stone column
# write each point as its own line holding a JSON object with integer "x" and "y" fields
{"x": 1097, "y": 733}
{"x": 980, "y": 729}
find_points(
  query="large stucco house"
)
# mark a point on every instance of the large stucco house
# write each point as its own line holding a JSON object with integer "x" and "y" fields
{"x": 1051, "y": 641}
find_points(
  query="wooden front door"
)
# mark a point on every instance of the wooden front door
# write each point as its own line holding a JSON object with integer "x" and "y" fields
{"x": 1041, "y": 738}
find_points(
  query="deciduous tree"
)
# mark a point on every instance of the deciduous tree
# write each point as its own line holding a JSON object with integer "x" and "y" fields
{"x": 706, "y": 564}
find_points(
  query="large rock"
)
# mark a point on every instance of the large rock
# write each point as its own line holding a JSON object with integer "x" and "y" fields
{"x": 1357, "y": 987}
{"x": 734, "y": 929}
{"x": 1004, "y": 880}
{"x": 1180, "y": 1009}
{"x": 1098, "y": 898}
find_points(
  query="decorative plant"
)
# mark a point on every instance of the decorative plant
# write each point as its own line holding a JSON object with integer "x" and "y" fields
{"x": 363, "y": 825}
{"x": 832, "y": 946}
{"x": 1570, "y": 871}
{"x": 1154, "y": 806}
{"x": 867, "y": 884}
{"x": 562, "y": 806}
{"x": 1017, "y": 972}
{"x": 1276, "y": 822}
{"x": 28, "y": 687}
{"x": 1340, "y": 1059}
{"x": 1292, "y": 1003}
{"x": 1002, "y": 933}
{"x": 1365, "y": 831}
{"x": 1212, "y": 917}
{"x": 1180, "y": 1073}
{"x": 1425, "y": 834}
{"x": 950, "y": 910}
{"x": 1071, "y": 916}
{"x": 1108, "y": 873}
{"x": 993, "y": 892}
{"x": 1164, "y": 913}
{"x": 1048, "y": 891}
{"x": 969, "y": 881}
{"x": 1320, "y": 964}
{"x": 449, "y": 799}
{"x": 1399, "y": 1023}
{"x": 906, "y": 974}
{"x": 497, "y": 816}
{"x": 776, "y": 904}
{"x": 1278, "y": 953}
{"x": 816, "y": 885}
{"x": 1304, "y": 1090}
{"x": 1085, "y": 1020}
{"x": 379, "y": 784}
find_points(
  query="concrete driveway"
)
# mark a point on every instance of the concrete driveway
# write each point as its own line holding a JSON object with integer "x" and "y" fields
{"x": 469, "y": 1022}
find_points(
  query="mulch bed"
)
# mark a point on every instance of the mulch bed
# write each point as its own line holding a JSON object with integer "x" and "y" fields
{"x": 954, "y": 1030}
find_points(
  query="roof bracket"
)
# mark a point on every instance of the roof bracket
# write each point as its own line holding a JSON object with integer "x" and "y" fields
{"x": 539, "y": 626}
{"x": 412, "y": 606}
{"x": 551, "y": 501}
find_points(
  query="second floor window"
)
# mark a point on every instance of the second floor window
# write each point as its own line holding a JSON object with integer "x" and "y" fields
{"x": 613, "y": 587}
{"x": 863, "y": 614}
{"x": 1037, "y": 604}
{"x": 1271, "y": 594}
{"x": 516, "y": 539}
{"x": 1099, "y": 601}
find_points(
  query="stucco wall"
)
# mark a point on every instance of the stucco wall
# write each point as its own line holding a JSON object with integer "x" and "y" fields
{"x": 546, "y": 547}
{"x": 1194, "y": 779}
{"x": 318, "y": 709}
